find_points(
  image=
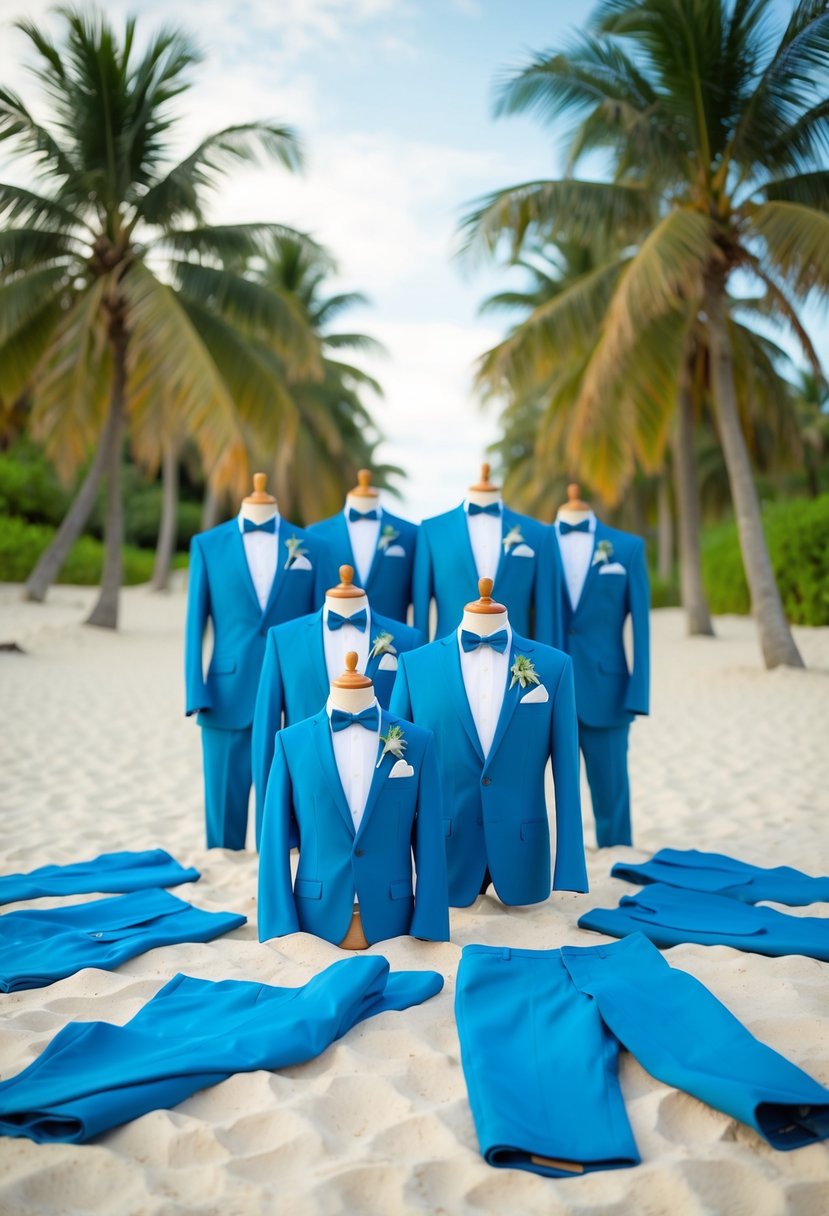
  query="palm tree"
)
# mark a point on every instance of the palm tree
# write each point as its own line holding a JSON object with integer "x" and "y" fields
{"x": 115, "y": 293}
{"x": 812, "y": 402}
{"x": 717, "y": 138}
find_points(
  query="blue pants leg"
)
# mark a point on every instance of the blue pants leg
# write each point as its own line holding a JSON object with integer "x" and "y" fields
{"x": 540, "y": 1034}
{"x": 111, "y": 872}
{"x": 716, "y": 873}
{"x": 227, "y": 782}
{"x": 605, "y": 751}
{"x": 94, "y": 1076}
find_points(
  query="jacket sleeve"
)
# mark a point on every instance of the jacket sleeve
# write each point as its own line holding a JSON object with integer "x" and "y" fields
{"x": 277, "y": 913}
{"x": 637, "y": 698}
{"x": 431, "y": 907}
{"x": 549, "y": 626}
{"x": 267, "y": 720}
{"x": 422, "y": 582}
{"x": 401, "y": 699}
{"x": 570, "y": 872}
{"x": 197, "y": 694}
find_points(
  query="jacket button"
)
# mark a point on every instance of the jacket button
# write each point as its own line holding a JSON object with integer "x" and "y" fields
{"x": 358, "y": 852}
{"x": 486, "y": 781}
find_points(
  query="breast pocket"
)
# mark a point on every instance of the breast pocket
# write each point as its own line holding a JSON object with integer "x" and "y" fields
{"x": 221, "y": 665}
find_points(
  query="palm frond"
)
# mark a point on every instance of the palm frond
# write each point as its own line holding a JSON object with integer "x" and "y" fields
{"x": 797, "y": 240}
{"x": 28, "y": 248}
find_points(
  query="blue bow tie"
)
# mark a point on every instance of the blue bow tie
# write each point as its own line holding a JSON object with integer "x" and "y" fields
{"x": 564, "y": 528}
{"x": 494, "y": 508}
{"x": 369, "y": 718}
{"x": 268, "y": 526}
{"x": 471, "y": 641}
{"x": 355, "y": 516}
{"x": 359, "y": 620}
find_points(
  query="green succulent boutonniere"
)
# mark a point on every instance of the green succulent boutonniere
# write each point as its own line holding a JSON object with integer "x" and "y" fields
{"x": 294, "y": 546}
{"x": 513, "y": 537}
{"x": 394, "y": 743}
{"x": 604, "y": 552}
{"x": 382, "y": 644}
{"x": 523, "y": 672}
{"x": 387, "y": 537}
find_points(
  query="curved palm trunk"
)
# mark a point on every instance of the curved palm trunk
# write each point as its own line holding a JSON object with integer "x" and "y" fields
{"x": 105, "y": 612}
{"x": 211, "y": 508}
{"x": 167, "y": 529}
{"x": 694, "y": 599}
{"x": 776, "y": 640}
{"x": 665, "y": 529}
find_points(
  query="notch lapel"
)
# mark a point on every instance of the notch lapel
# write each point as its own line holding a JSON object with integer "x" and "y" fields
{"x": 316, "y": 651}
{"x": 457, "y": 690}
{"x": 461, "y": 546}
{"x": 511, "y": 698}
{"x": 380, "y": 775}
{"x": 325, "y": 751}
{"x": 378, "y": 556}
{"x": 343, "y": 553}
{"x": 279, "y": 572}
{"x": 508, "y": 521}
{"x": 592, "y": 569}
{"x": 239, "y": 559}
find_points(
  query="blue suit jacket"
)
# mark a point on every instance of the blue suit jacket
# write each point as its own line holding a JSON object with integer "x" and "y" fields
{"x": 445, "y": 568}
{"x": 294, "y": 683}
{"x": 220, "y": 588}
{"x": 403, "y": 816}
{"x": 495, "y": 810}
{"x": 389, "y": 582}
{"x": 607, "y": 694}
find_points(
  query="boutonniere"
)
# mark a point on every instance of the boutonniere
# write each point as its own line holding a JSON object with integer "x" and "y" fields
{"x": 523, "y": 672}
{"x": 387, "y": 537}
{"x": 604, "y": 552}
{"x": 512, "y": 538}
{"x": 382, "y": 644}
{"x": 394, "y": 744}
{"x": 294, "y": 546}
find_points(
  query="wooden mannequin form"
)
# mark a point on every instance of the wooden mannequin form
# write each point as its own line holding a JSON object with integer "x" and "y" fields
{"x": 345, "y": 598}
{"x": 352, "y": 693}
{"x": 483, "y": 492}
{"x": 363, "y": 497}
{"x": 484, "y": 616}
{"x": 575, "y": 509}
{"x": 260, "y": 506}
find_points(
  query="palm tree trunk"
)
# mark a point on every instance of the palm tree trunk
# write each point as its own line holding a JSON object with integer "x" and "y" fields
{"x": 52, "y": 561}
{"x": 167, "y": 530}
{"x": 105, "y": 612}
{"x": 694, "y": 599}
{"x": 776, "y": 640}
{"x": 665, "y": 529}
{"x": 211, "y": 508}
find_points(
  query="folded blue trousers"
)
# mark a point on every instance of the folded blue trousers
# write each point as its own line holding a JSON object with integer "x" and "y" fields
{"x": 38, "y": 947}
{"x": 94, "y": 1076}
{"x": 111, "y": 872}
{"x": 717, "y": 874}
{"x": 670, "y": 916}
{"x": 540, "y": 1034}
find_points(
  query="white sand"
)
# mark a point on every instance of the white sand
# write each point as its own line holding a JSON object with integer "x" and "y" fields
{"x": 95, "y": 755}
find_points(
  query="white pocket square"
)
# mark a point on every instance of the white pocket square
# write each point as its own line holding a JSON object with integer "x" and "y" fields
{"x": 395, "y": 551}
{"x": 300, "y": 563}
{"x": 523, "y": 551}
{"x": 612, "y": 568}
{"x": 536, "y": 696}
{"x": 402, "y": 769}
{"x": 387, "y": 663}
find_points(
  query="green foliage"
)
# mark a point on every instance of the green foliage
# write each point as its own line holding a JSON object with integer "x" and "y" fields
{"x": 29, "y": 486}
{"x": 21, "y": 544}
{"x": 798, "y": 537}
{"x": 664, "y": 594}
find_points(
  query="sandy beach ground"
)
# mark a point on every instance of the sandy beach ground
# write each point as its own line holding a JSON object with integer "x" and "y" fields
{"x": 95, "y": 755}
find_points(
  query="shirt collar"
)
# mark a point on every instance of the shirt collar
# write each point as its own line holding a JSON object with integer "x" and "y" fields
{"x": 591, "y": 519}
{"x": 241, "y": 520}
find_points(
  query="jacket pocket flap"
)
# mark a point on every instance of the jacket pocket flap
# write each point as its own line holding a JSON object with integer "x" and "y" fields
{"x": 531, "y": 829}
{"x": 613, "y": 669}
{"x": 221, "y": 666}
{"x": 308, "y": 888}
{"x": 402, "y": 889}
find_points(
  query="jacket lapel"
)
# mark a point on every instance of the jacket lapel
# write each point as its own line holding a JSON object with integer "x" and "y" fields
{"x": 377, "y": 558}
{"x": 508, "y": 522}
{"x": 279, "y": 572}
{"x": 240, "y": 561}
{"x": 380, "y": 775}
{"x": 592, "y": 569}
{"x": 341, "y": 549}
{"x": 318, "y": 667}
{"x": 457, "y": 690}
{"x": 511, "y": 696}
{"x": 460, "y": 546}
{"x": 325, "y": 750}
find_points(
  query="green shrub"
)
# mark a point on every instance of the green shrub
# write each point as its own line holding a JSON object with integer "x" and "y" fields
{"x": 797, "y": 532}
{"x": 664, "y": 594}
{"x": 21, "y": 545}
{"x": 29, "y": 486}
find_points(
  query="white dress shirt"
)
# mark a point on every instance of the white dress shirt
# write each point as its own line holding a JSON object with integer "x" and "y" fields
{"x": 261, "y": 549}
{"x": 485, "y": 539}
{"x": 355, "y": 752}
{"x": 363, "y": 535}
{"x": 576, "y": 554}
{"x": 337, "y": 643}
{"x": 485, "y": 674}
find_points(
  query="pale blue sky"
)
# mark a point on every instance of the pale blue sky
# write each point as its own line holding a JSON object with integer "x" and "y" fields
{"x": 393, "y": 100}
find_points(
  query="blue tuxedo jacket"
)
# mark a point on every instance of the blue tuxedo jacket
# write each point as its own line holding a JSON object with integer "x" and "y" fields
{"x": 445, "y": 568}
{"x": 717, "y": 874}
{"x": 495, "y": 810}
{"x": 220, "y": 588}
{"x": 294, "y": 683}
{"x": 115, "y": 872}
{"x": 607, "y": 694}
{"x": 389, "y": 582}
{"x": 402, "y": 817}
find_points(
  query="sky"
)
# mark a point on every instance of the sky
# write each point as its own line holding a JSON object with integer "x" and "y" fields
{"x": 393, "y": 102}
